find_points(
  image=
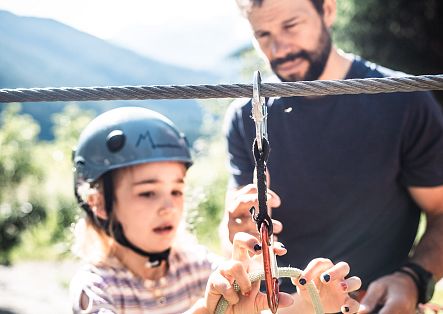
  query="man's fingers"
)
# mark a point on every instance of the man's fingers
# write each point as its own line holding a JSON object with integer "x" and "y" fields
{"x": 374, "y": 296}
{"x": 273, "y": 199}
{"x": 277, "y": 226}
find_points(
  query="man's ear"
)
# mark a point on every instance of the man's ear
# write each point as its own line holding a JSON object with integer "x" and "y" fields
{"x": 329, "y": 12}
{"x": 97, "y": 203}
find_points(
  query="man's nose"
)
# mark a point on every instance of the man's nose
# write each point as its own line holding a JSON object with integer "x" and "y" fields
{"x": 280, "y": 47}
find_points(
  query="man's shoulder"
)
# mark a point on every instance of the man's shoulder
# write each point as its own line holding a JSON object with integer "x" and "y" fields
{"x": 236, "y": 110}
{"x": 239, "y": 104}
{"x": 362, "y": 68}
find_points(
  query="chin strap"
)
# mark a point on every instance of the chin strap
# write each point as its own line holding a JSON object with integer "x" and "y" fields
{"x": 115, "y": 230}
{"x": 154, "y": 259}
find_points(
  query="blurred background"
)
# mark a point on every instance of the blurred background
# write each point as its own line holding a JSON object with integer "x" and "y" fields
{"x": 143, "y": 42}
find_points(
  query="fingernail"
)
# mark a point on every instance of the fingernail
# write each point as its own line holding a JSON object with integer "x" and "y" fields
{"x": 345, "y": 309}
{"x": 326, "y": 277}
{"x": 282, "y": 246}
{"x": 344, "y": 286}
{"x": 247, "y": 293}
{"x": 302, "y": 281}
{"x": 257, "y": 247}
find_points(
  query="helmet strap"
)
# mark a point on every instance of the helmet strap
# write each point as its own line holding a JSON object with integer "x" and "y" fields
{"x": 154, "y": 259}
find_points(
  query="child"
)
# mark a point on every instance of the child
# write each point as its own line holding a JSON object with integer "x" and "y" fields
{"x": 129, "y": 172}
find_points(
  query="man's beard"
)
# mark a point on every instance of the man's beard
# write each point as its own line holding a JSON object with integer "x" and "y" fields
{"x": 316, "y": 59}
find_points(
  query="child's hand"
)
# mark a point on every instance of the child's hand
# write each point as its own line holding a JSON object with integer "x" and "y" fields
{"x": 332, "y": 286}
{"x": 250, "y": 299}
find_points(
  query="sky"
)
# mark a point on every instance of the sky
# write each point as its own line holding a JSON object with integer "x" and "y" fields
{"x": 191, "y": 33}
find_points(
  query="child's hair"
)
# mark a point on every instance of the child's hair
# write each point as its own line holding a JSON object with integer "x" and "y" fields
{"x": 114, "y": 140}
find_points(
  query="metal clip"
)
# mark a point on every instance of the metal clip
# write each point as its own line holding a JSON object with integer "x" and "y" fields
{"x": 270, "y": 268}
{"x": 259, "y": 111}
{"x": 262, "y": 218}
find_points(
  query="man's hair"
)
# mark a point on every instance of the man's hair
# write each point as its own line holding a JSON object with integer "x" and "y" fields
{"x": 245, "y": 5}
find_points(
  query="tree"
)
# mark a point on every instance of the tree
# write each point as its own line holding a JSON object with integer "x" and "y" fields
{"x": 19, "y": 207}
{"x": 405, "y": 35}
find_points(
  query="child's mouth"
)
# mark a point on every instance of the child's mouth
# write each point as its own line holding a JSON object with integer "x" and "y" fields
{"x": 164, "y": 229}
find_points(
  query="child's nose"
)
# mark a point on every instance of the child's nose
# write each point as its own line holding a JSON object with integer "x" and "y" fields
{"x": 167, "y": 206}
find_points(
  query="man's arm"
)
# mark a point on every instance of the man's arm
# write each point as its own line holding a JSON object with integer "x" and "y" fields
{"x": 429, "y": 251}
{"x": 398, "y": 291}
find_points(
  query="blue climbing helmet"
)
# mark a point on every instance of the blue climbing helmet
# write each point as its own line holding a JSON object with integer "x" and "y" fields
{"x": 127, "y": 136}
{"x": 119, "y": 138}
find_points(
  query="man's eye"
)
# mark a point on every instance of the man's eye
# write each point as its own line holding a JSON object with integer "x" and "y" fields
{"x": 147, "y": 194}
{"x": 289, "y": 26}
{"x": 261, "y": 35}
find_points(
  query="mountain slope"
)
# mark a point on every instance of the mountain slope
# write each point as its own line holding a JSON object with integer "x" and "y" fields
{"x": 36, "y": 52}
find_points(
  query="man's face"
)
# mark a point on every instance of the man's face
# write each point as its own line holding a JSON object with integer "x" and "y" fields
{"x": 293, "y": 37}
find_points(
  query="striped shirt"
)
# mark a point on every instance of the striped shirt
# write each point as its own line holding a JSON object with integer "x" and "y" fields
{"x": 115, "y": 289}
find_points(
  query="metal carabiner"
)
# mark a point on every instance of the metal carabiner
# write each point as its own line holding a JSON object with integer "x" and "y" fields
{"x": 262, "y": 218}
{"x": 270, "y": 268}
{"x": 259, "y": 111}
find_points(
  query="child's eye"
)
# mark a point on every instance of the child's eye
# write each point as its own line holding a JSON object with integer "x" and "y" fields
{"x": 177, "y": 193}
{"x": 147, "y": 194}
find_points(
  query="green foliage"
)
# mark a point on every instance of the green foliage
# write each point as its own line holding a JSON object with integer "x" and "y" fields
{"x": 207, "y": 178}
{"x": 67, "y": 128}
{"x": 401, "y": 34}
{"x": 17, "y": 138}
{"x": 44, "y": 231}
{"x": 19, "y": 207}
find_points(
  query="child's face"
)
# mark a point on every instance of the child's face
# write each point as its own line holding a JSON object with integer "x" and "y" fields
{"x": 149, "y": 203}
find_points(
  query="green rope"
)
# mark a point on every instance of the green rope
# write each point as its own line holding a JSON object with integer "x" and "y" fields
{"x": 286, "y": 272}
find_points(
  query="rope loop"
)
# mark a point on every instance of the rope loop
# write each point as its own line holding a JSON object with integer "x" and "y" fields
{"x": 283, "y": 272}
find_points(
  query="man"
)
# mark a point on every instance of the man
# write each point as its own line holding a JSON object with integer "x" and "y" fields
{"x": 353, "y": 172}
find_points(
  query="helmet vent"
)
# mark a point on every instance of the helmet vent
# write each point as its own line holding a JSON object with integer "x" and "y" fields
{"x": 115, "y": 140}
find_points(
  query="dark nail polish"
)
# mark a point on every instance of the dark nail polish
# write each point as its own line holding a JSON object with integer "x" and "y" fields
{"x": 257, "y": 247}
{"x": 346, "y": 308}
{"x": 302, "y": 281}
{"x": 326, "y": 277}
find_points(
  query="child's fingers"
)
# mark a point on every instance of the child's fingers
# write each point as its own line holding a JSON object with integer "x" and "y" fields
{"x": 279, "y": 249}
{"x": 336, "y": 272}
{"x": 261, "y": 301}
{"x": 220, "y": 285}
{"x": 312, "y": 272}
{"x": 350, "y": 306}
{"x": 234, "y": 270}
{"x": 351, "y": 284}
{"x": 244, "y": 244}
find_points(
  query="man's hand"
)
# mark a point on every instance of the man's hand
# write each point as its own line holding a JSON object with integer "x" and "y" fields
{"x": 396, "y": 293}
{"x": 238, "y": 204}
